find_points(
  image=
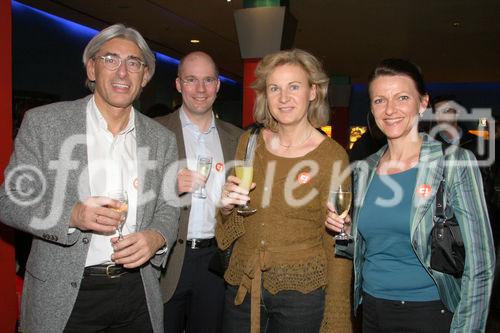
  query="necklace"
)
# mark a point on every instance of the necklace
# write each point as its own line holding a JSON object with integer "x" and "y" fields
{"x": 296, "y": 145}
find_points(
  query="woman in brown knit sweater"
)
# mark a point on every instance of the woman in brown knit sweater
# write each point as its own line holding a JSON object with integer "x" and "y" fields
{"x": 283, "y": 275}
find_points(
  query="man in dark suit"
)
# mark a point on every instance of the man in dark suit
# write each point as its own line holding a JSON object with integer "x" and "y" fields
{"x": 193, "y": 295}
{"x": 68, "y": 157}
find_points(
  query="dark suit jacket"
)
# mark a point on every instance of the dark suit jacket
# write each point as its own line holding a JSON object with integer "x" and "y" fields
{"x": 228, "y": 135}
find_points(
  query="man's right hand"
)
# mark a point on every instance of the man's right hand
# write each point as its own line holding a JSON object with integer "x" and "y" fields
{"x": 96, "y": 214}
{"x": 189, "y": 181}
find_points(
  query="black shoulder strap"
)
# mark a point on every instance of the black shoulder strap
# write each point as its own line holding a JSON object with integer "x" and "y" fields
{"x": 439, "y": 199}
{"x": 440, "y": 209}
{"x": 252, "y": 140}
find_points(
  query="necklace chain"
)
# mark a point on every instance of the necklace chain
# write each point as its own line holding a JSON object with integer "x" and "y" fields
{"x": 296, "y": 145}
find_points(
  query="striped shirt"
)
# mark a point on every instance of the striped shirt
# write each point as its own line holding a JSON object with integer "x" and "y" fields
{"x": 467, "y": 297}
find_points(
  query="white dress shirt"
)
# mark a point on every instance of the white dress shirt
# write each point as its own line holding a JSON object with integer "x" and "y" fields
{"x": 112, "y": 164}
{"x": 202, "y": 216}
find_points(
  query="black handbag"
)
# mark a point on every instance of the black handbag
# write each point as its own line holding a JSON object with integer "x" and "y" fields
{"x": 447, "y": 246}
{"x": 219, "y": 262}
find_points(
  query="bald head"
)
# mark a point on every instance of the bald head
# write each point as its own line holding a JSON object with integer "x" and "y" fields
{"x": 198, "y": 82}
{"x": 194, "y": 56}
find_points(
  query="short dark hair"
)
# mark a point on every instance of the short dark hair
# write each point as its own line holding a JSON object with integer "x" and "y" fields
{"x": 444, "y": 98}
{"x": 394, "y": 66}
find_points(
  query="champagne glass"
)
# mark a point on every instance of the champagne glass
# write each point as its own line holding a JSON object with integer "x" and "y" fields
{"x": 122, "y": 197}
{"x": 341, "y": 199}
{"x": 244, "y": 171}
{"x": 203, "y": 167}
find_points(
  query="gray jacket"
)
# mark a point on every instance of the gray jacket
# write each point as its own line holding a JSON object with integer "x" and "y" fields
{"x": 51, "y": 147}
{"x": 228, "y": 135}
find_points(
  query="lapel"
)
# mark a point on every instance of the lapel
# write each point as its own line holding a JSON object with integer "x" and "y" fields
{"x": 146, "y": 151}
{"x": 363, "y": 175}
{"x": 227, "y": 139}
{"x": 173, "y": 123}
{"x": 176, "y": 127}
{"x": 78, "y": 126}
{"x": 363, "y": 172}
{"x": 430, "y": 171}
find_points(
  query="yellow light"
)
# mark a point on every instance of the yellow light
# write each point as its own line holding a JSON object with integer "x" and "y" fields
{"x": 195, "y": 41}
{"x": 356, "y": 133}
{"x": 327, "y": 130}
{"x": 485, "y": 134}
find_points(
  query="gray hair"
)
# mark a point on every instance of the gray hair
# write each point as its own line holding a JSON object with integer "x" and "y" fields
{"x": 118, "y": 31}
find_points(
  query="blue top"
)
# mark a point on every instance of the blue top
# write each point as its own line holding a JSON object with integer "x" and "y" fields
{"x": 468, "y": 298}
{"x": 391, "y": 269}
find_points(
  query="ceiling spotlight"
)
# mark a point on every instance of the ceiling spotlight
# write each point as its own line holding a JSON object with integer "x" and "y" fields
{"x": 456, "y": 24}
{"x": 195, "y": 41}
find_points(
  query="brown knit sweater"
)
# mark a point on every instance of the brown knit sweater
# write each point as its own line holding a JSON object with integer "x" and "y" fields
{"x": 285, "y": 242}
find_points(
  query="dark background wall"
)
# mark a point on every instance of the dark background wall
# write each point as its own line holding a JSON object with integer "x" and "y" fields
{"x": 47, "y": 66}
{"x": 470, "y": 95}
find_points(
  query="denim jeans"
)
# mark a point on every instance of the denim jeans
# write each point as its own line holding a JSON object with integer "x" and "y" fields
{"x": 386, "y": 316}
{"x": 288, "y": 311}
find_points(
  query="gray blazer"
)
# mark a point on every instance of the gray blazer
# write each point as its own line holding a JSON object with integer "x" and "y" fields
{"x": 228, "y": 135}
{"x": 52, "y": 141}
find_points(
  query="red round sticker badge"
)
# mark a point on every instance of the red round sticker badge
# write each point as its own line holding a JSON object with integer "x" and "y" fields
{"x": 304, "y": 178}
{"x": 424, "y": 190}
{"x": 219, "y": 167}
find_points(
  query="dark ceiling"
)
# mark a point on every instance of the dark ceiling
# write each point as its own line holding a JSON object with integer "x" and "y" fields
{"x": 452, "y": 40}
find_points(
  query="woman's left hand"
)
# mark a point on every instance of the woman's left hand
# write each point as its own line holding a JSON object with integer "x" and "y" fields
{"x": 336, "y": 222}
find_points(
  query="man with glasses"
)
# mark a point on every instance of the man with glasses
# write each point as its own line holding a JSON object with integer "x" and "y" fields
{"x": 194, "y": 295}
{"x": 69, "y": 156}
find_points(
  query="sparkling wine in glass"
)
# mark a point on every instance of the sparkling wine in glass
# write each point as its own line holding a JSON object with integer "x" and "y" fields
{"x": 122, "y": 197}
{"x": 341, "y": 199}
{"x": 203, "y": 167}
{"x": 244, "y": 172}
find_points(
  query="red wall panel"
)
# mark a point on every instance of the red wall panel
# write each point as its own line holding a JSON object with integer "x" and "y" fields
{"x": 8, "y": 303}
{"x": 249, "y": 66}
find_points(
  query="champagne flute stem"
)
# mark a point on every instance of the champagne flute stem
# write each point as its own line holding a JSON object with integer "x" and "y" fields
{"x": 120, "y": 231}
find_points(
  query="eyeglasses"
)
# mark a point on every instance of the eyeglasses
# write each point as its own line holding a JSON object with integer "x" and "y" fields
{"x": 193, "y": 81}
{"x": 113, "y": 62}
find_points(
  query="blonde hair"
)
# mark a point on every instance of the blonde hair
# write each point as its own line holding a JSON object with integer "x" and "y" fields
{"x": 318, "y": 112}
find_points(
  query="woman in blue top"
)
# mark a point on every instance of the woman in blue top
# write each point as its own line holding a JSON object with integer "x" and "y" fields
{"x": 393, "y": 213}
